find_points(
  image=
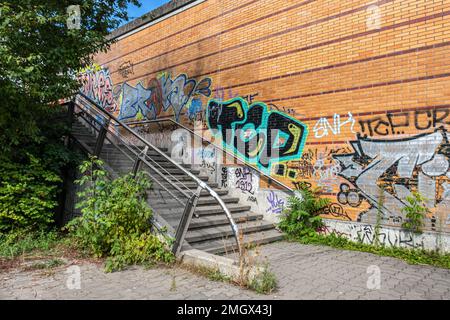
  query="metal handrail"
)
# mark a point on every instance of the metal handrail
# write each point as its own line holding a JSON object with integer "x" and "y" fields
{"x": 290, "y": 190}
{"x": 143, "y": 160}
{"x": 199, "y": 182}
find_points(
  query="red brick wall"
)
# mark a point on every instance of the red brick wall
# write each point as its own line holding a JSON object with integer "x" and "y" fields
{"x": 374, "y": 75}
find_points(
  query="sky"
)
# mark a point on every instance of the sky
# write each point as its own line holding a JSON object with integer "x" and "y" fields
{"x": 146, "y": 6}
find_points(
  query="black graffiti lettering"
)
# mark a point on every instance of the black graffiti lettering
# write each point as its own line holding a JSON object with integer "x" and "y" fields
{"x": 428, "y": 121}
{"x": 258, "y": 135}
{"x": 401, "y": 124}
{"x": 335, "y": 210}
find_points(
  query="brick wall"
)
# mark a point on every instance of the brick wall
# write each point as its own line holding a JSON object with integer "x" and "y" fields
{"x": 360, "y": 90}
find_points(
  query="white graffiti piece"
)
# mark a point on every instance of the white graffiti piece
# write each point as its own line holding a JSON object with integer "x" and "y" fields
{"x": 323, "y": 127}
{"x": 181, "y": 150}
{"x": 326, "y": 174}
{"x": 206, "y": 158}
{"x": 395, "y": 166}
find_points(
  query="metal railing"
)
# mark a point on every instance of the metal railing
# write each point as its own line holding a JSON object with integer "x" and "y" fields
{"x": 172, "y": 193}
{"x": 234, "y": 156}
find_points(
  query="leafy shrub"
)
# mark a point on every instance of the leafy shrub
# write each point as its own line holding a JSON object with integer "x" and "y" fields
{"x": 416, "y": 211}
{"x": 28, "y": 193}
{"x": 115, "y": 221}
{"x": 302, "y": 216}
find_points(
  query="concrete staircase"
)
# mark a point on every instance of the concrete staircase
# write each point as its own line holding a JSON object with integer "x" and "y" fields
{"x": 209, "y": 230}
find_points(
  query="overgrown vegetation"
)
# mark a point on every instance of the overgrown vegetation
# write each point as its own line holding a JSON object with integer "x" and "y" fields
{"x": 264, "y": 282}
{"x": 412, "y": 256}
{"x": 303, "y": 224}
{"x": 39, "y": 58}
{"x": 116, "y": 219}
{"x": 19, "y": 242}
{"x": 415, "y": 211}
{"x": 302, "y": 217}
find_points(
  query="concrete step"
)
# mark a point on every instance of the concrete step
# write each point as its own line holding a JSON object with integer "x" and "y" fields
{"x": 157, "y": 202}
{"x": 169, "y": 171}
{"x": 208, "y": 210}
{"x": 221, "y": 219}
{"x": 219, "y": 232}
{"x": 229, "y": 245}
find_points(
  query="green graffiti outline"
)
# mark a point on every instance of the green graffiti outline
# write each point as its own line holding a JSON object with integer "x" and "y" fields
{"x": 263, "y": 127}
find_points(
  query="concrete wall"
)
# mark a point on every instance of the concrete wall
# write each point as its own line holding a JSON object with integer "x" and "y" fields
{"x": 357, "y": 90}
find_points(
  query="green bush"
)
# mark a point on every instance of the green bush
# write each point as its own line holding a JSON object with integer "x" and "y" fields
{"x": 28, "y": 193}
{"x": 302, "y": 216}
{"x": 115, "y": 221}
{"x": 415, "y": 211}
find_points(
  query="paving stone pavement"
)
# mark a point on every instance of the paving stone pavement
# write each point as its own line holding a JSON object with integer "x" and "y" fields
{"x": 303, "y": 272}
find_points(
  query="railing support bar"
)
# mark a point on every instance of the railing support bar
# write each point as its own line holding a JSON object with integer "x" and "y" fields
{"x": 138, "y": 161}
{"x": 101, "y": 139}
{"x": 185, "y": 221}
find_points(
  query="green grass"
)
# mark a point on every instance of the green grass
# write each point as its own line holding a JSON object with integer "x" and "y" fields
{"x": 18, "y": 243}
{"x": 265, "y": 282}
{"x": 50, "y": 264}
{"x": 412, "y": 256}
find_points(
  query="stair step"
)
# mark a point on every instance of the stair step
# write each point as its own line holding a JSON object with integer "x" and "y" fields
{"x": 201, "y": 211}
{"x": 157, "y": 202}
{"x": 229, "y": 245}
{"x": 225, "y": 231}
{"x": 169, "y": 171}
{"x": 221, "y": 219}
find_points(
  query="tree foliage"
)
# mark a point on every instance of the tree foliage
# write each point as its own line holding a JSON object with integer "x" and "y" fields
{"x": 40, "y": 55}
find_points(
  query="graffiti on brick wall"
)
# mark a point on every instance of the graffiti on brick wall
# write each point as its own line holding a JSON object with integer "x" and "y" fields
{"x": 126, "y": 68}
{"x": 390, "y": 124}
{"x": 335, "y": 210}
{"x": 317, "y": 165}
{"x": 289, "y": 111}
{"x": 257, "y": 135}
{"x": 323, "y": 127}
{"x": 135, "y": 102}
{"x": 146, "y": 100}
{"x": 392, "y": 169}
{"x": 177, "y": 93}
{"x": 98, "y": 86}
{"x": 223, "y": 94}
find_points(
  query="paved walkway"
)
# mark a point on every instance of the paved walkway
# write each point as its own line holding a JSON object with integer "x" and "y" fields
{"x": 303, "y": 272}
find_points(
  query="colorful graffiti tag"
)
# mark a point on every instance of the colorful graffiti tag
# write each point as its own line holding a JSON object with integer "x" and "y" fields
{"x": 163, "y": 94}
{"x": 258, "y": 135}
{"x": 179, "y": 91}
{"x": 392, "y": 169}
{"x": 147, "y": 100}
{"x": 99, "y": 87}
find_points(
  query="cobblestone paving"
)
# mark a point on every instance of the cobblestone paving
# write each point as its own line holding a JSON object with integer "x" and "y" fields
{"x": 303, "y": 272}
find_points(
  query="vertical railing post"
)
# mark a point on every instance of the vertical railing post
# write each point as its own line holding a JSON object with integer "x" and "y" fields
{"x": 185, "y": 221}
{"x": 138, "y": 161}
{"x": 70, "y": 112}
{"x": 101, "y": 138}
